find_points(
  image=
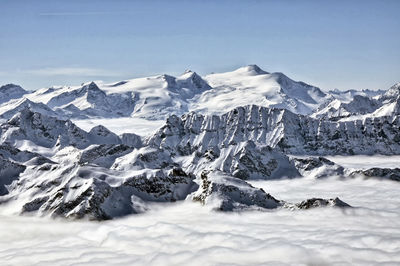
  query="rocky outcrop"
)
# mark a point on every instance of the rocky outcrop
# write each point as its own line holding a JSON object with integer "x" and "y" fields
{"x": 337, "y": 109}
{"x": 317, "y": 167}
{"x": 11, "y": 91}
{"x": 226, "y": 193}
{"x": 86, "y": 192}
{"x": 280, "y": 129}
{"x": 316, "y": 203}
{"x": 205, "y": 158}
{"x": 9, "y": 171}
{"x": 376, "y": 172}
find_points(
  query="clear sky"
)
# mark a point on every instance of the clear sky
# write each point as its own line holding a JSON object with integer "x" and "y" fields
{"x": 331, "y": 44}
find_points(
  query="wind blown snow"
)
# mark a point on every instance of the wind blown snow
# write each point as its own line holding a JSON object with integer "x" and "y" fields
{"x": 189, "y": 234}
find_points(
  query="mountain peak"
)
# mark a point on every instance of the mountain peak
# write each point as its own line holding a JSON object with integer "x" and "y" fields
{"x": 253, "y": 69}
{"x": 189, "y": 74}
{"x": 9, "y": 86}
{"x": 393, "y": 92}
{"x": 92, "y": 85}
{"x": 11, "y": 91}
{"x": 187, "y": 71}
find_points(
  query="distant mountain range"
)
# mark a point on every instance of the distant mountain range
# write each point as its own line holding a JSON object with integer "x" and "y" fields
{"x": 218, "y": 131}
{"x": 158, "y": 97}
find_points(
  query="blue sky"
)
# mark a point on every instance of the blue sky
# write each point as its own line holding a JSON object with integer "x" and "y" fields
{"x": 331, "y": 44}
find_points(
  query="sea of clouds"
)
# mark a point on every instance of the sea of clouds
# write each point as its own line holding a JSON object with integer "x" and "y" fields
{"x": 186, "y": 233}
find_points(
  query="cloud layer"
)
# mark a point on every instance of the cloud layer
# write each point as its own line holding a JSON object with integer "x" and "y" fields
{"x": 188, "y": 234}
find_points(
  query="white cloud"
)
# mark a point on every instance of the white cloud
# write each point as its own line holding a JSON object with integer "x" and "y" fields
{"x": 188, "y": 234}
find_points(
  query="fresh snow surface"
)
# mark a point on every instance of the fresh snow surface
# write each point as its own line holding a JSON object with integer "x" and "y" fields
{"x": 251, "y": 85}
{"x": 157, "y": 97}
{"x": 188, "y": 234}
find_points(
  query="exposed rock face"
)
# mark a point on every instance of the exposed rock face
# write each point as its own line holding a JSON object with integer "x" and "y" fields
{"x": 336, "y": 109}
{"x": 48, "y": 131}
{"x": 9, "y": 171}
{"x": 11, "y": 91}
{"x": 317, "y": 167}
{"x": 226, "y": 193}
{"x": 13, "y": 107}
{"x": 386, "y": 173}
{"x": 43, "y": 130}
{"x": 244, "y": 160}
{"x": 280, "y": 129}
{"x": 84, "y": 191}
{"x": 317, "y": 202}
{"x": 204, "y": 158}
{"x": 89, "y": 100}
{"x": 93, "y": 174}
{"x": 103, "y": 155}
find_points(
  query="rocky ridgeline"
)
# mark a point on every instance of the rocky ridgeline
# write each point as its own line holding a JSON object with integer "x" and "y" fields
{"x": 207, "y": 159}
{"x": 280, "y": 129}
{"x": 50, "y": 166}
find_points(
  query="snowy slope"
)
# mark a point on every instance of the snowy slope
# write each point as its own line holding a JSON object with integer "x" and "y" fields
{"x": 220, "y": 133}
{"x": 11, "y": 91}
{"x": 100, "y": 175}
{"x": 337, "y": 109}
{"x": 251, "y": 85}
{"x": 151, "y": 98}
{"x": 360, "y": 105}
{"x": 157, "y": 97}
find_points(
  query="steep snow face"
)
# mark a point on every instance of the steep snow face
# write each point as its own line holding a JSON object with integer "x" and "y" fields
{"x": 49, "y": 132}
{"x": 100, "y": 175}
{"x": 48, "y": 165}
{"x": 91, "y": 101}
{"x": 384, "y": 105}
{"x": 12, "y": 107}
{"x": 159, "y": 96}
{"x": 337, "y": 109}
{"x": 42, "y": 130}
{"x": 9, "y": 171}
{"x": 225, "y": 193}
{"x": 251, "y": 85}
{"x": 84, "y": 101}
{"x": 347, "y": 96}
{"x": 281, "y": 129}
{"x": 317, "y": 167}
{"x": 392, "y": 93}
{"x": 11, "y": 91}
{"x": 152, "y": 98}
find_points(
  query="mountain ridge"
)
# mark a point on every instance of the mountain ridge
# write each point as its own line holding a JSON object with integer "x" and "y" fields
{"x": 219, "y": 132}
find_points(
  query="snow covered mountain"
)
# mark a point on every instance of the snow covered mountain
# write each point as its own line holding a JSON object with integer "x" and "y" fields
{"x": 337, "y": 109}
{"x": 157, "y": 97}
{"x": 220, "y": 132}
{"x": 252, "y": 85}
{"x": 282, "y": 130}
{"x": 152, "y": 98}
{"x": 11, "y": 91}
{"x": 98, "y": 175}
